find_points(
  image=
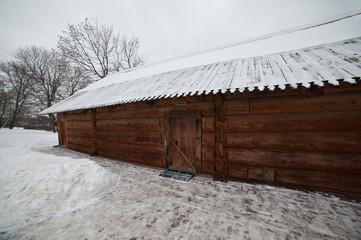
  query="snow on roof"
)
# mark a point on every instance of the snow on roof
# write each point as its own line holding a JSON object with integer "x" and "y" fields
{"x": 331, "y": 62}
{"x": 239, "y": 67}
{"x": 342, "y": 27}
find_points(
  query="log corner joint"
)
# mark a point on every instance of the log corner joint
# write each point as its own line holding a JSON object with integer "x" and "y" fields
{"x": 219, "y": 174}
{"x": 94, "y": 133}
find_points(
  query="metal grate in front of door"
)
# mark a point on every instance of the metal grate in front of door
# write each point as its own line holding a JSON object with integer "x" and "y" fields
{"x": 183, "y": 176}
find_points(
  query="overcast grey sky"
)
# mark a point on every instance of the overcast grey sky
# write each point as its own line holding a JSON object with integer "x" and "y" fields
{"x": 166, "y": 28}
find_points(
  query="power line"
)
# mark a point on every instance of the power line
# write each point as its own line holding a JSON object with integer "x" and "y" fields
{"x": 319, "y": 23}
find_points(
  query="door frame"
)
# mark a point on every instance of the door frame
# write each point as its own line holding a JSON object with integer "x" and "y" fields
{"x": 198, "y": 118}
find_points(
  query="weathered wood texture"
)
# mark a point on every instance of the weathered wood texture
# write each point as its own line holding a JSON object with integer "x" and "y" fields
{"x": 147, "y": 124}
{"x": 94, "y": 132}
{"x": 342, "y": 142}
{"x": 208, "y": 124}
{"x": 143, "y": 158}
{"x": 62, "y": 133}
{"x": 183, "y": 137}
{"x": 220, "y": 156}
{"x": 208, "y": 159}
{"x": 320, "y": 179}
{"x": 308, "y": 140}
{"x": 208, "y": 167}
{"x": 330, "y": 102}
{"x": 333, "y": 121}
{"x": 335, "y": 162}
{"x": 136, "y": 132}
{"x": 299, "y": 137}
{"x": 181, "y": 143}
{"x": 78, "y": 130}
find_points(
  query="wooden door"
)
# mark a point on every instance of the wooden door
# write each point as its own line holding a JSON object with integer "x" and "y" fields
{"x": 184, "y": 142}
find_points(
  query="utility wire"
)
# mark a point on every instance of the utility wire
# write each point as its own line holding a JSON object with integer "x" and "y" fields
{"x": 319, "y": 23}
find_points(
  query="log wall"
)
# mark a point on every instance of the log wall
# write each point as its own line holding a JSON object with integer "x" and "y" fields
{"x": 78, "y": 130}
{"x": 307, "y": 140}
{"x": 138, "y": 139}
{"x": 136, "y": 132}
{"x": 299, "y": 137}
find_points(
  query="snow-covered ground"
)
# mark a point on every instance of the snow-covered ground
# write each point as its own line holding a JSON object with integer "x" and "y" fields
{"x": 56, "y": 193}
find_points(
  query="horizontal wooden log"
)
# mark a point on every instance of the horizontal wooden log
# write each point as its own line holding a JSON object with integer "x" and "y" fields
{"x": 123, "y": 107}
{"x": 141, "y": 124}
{"x": 334, "y": 142}
{"x": 208, "y": 124}
{"x": 296, "y": 122}
{"x": 79, "y": 133}
{"x": 269, "y": 174}
{"x": 317, "y": 179}
{"x": 75, "y": 112}
{"x": 189, "y": 99}
{"x": 138, "y": 113}
{"x": 148, "y": 159}
{"x": 80, "y": 141}
{"x": 343, "y": 87}
{"x": 343, "y": 163}
{"x": 208, "y": 111}
{"x": 255, "y": 173}
{"x": 108, "y": 153}
{"x": 237, "y": 171}
{"x": 60, "y": 115}
{"x": 209, "y": 139}
{"x": 207, "y": 108}
{"x": 208, "y": 167}
{"x": 106, "y": 144}
{"x": 330, "y": 102}
{"x": 236, "y": 107}
{"x": 80, "y": 148}
{"x": 146, "y": 138}
{"x": 78, "y": 117}
{"x": 80, "y": 125}
{"x": 208, "y": 154}
{"x": 192, "y": 103}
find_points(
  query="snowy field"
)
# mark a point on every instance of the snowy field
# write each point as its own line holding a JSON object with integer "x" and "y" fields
{"x": 55, "y": 193}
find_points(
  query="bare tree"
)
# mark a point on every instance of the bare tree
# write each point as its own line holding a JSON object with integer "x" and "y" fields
{"x": 3, "y": 101}
{"x": 97, "y": 49}
{"x": 126, "y": 54}
{"x": 47, "y": 70}
{"x": 53, "y": 77}
{"x": 18, "y": 82}
{"x": 88, "y": 45}
{"x": 75, "y": 79}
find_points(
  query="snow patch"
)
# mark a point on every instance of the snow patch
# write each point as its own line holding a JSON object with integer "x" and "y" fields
{"x": 55, "y": 189}
{"x": 36, "y": 186}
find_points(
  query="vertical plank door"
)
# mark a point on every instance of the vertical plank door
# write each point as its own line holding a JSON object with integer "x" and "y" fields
{"x": 182, "y": 143}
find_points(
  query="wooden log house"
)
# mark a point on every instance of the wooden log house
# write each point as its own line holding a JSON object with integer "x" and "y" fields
{"x": 289, "y": 118}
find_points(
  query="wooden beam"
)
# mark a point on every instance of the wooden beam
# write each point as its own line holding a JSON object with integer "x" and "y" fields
{"x": 319, "y": 179}
{"x": 60, "y": 125}
{"x": 94, "y": 133}
{"x": 332, "y": 162}
{"x": 198, "y": 153}
{"x": 332, "y": 142}
{"x": 133, "y": 137}
{"x": 332, "y": 121}
{"x": 219, "y": 175}
{"x": 296, "y": 104}
{"x": 138, "y": 124}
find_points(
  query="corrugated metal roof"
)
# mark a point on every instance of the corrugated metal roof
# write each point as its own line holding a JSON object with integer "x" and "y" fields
{"x": 331, "y": 62}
